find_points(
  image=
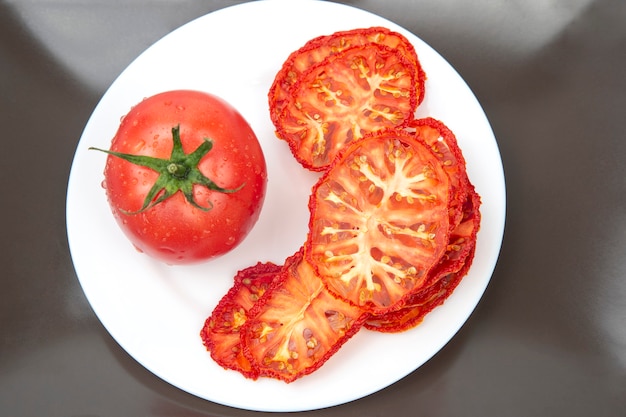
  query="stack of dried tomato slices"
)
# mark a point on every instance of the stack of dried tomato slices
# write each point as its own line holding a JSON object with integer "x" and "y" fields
{"x": 393, "y": 217}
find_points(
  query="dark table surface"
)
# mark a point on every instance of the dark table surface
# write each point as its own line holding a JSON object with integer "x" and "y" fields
{"x": 547, "y": 339}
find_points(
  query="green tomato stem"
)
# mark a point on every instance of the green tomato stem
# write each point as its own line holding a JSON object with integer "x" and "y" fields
{"x": 179, "y": 173}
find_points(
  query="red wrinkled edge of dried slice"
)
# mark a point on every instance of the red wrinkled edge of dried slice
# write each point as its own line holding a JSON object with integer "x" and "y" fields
{"x": 259, "y": 271}
{"x": 224, "y": 345}
{"x": 461, "y": 241}
{"x": 453, "y": 267}
{"x": 288, "y": 272}
{"x": 317, "y": 49}
{"x": 289, "y": 110}
{"x": 445, "y": 146}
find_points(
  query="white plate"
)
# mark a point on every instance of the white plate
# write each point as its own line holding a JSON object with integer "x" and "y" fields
{"x": 155, "y": 311}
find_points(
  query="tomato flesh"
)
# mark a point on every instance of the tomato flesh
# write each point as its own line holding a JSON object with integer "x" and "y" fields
{"x": 173, "y": 230}
{"x": 361, "y": 89}
{"x": 379, "y": 220}
{"x": 443, "y": 279}
{"x": 318, "y": 49}
{"x": 298, "y": 325}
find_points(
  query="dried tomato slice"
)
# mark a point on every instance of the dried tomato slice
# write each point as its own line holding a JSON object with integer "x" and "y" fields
{"x": 413, "y": 314}
{"x": 444, "y": 278}
{"x": 462, "y": 239}
{"x": 320, "y": 48}
{"x": 220, "y": 333}
{"x": 444, "y": 144}
{"x": 298, "y": 325}
{"x": 361, "y": 89}
{"x": 379, "y": 220}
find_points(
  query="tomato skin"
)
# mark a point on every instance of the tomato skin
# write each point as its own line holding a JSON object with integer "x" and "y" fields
{"x": 175, "y": 231}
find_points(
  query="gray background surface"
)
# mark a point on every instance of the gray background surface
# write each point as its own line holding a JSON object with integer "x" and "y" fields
{"x": 548, "y": 337}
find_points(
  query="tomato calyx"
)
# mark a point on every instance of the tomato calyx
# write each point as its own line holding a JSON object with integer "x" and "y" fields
{"x": 178, "y": 173}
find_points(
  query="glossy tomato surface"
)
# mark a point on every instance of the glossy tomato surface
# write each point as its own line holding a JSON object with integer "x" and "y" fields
{"x": 175, "y": 230}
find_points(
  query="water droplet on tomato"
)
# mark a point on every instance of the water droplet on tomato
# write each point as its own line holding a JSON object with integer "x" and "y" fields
{"x": 230, "y": 241}
{"x": 103, "y": 184}
{"x": 167, "y": 250}
{"x": 139, "y": 145}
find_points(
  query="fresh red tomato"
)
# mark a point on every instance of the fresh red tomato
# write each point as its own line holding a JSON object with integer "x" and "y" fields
{"x": 185, "y": 176}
